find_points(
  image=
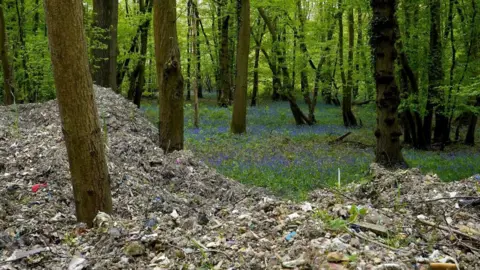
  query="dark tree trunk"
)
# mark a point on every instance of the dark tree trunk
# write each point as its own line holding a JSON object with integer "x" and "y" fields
{"x": 169, "y": 76}
{"x": 410, "y": 86}
{"x": 470, "y": 137}
{"x": 23, "y": 85}
{"x": 140, "y": 84}
{"x": 388, "y": 150}
{"x": 105, "y": 58}
{"x": 189, "y": 48}
{"x": 349, "y": 119}
{"x": 300, "y": 118}
{"x": 122, "y": 68}
{"x": 199, "y": 53}
{"x": 256, "y": 63}
{"x": 8, "y": 79}
{"x": 224, "y": 59}
{"x": 78, "y": 110}
{"x": 304, "y": 60}
{"x": 435, "y": 78}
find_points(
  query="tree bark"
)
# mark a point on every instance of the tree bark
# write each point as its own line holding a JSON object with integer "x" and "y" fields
{"x": 196, "y": 32}
{"x": 435, "y": 78}
{"x": 8, "y": 79}
{"x": 105, "y": 58}
{"x": 224, "y": 58}
{"x": 196, "y": 67}
{"x": 169, "y": 76}
{"x": 258, "y": 48}
{"x": 388, "y": 150}
{"x": 140, "y": 83}
{"x": 122, "y": 68}
{"x": 349, "y": 119}
{"x": 189, "y": 48}
{"x": 300, "y": 118}
{"x": 78, "y": 110}
{"x": 239, "y": 117}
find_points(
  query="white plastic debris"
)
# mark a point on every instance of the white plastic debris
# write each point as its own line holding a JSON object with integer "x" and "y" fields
{"x": 77, "y": 263}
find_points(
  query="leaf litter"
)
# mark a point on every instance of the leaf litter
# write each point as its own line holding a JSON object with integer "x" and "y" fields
{"x": 173, "y": 212}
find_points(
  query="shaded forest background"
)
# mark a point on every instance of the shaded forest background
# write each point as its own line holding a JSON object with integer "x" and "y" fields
{"x": 304, "y": 53}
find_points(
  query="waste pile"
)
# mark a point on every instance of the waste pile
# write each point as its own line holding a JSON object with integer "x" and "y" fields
{"x": 174, "y": 212}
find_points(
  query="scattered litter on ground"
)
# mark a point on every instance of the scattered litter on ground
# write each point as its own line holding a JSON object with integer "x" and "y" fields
{"x": 173, "y": 212}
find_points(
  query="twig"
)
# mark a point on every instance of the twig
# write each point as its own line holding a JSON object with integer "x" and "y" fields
{"x": 448, "y": 198}
{"x": 205, "y": 249}
{"x": 378, "y": 243}
{"x": 444, "y": 228}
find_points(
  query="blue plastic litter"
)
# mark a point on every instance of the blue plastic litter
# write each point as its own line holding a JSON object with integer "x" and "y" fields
{"x": 290, "y": 236}
{"x": 150, "y": 223}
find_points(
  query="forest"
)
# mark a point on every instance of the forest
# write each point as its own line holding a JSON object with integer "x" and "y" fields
{"x": 270, "y": 119}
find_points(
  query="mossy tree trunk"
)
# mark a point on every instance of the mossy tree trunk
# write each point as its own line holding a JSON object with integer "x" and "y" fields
{"x": 388, "y": 150}
{"x": 169, "y": 75}
{"x": 239, "y": 117}
{"x": 78, "y": 111}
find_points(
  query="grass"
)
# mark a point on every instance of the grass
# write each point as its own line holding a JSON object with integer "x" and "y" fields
{"x": 293, "y": 160}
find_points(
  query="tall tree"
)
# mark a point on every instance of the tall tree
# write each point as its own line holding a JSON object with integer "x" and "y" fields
{"x": 137, "y": 80}
{"x": 239, "y": 117}
{"x": 224, "y": 55}
{"x": 105, "y": 55}
{"x": 8, "y": 79}
{"x": 196, "y": 67}
{"x": 348, "y": 116}
{"x": 435, "y": 78}
{"x": 388, "y": 150}
{"x": 258, "y": 48}
{"x": 169, "y": 75}
{"x": 78, "y": 111}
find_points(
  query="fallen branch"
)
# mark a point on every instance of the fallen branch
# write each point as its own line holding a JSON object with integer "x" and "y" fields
{"x": 339, "y": 139}
{"x": 448, "y": 229}
{"x": 378, "y": 243}
{"x": 360, "y": 103}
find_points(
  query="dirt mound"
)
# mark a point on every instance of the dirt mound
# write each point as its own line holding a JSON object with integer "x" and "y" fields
{"x": 173, "y": 212}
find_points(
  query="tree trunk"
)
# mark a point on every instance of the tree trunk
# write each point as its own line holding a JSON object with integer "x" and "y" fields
{"x": 196, "y": 67}
{"x": 189, "y": 48}
{"x": 36, "y": 18}
{"x": 388, "y": 150}
{"x": 470, "y": 137}
{"x": 105, "y": 58}
{"x": 8, "y": 79}
{"x": 123, "y": 67}
{"x": 140, "y": 84}
{"x": 196, "y": 32}
{"x": 304, "y": 60}
{"x": 224, "y": 60}
{"x": 256, "y": 63}
{"x": 239, "y": 117}
{"x": 78, "y": 110}
{"x": 349, "y": 119}
{"x": 435, "y": 78}
{"x": 300, "y": 118}
{"x": 169, "y": 76}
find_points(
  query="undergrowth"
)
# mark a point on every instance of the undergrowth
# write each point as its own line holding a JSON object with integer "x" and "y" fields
{"x": 293, "y": 160}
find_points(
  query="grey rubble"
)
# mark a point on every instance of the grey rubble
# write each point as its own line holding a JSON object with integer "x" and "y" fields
{"x": 173, "y": 212}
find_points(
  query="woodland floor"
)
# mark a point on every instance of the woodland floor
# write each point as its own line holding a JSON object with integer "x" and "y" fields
{"x": 174, "y": 212}
{"x": 293, "y": 160}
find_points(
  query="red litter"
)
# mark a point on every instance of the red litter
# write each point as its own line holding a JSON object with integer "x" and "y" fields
{"x": 36, "y": 187}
